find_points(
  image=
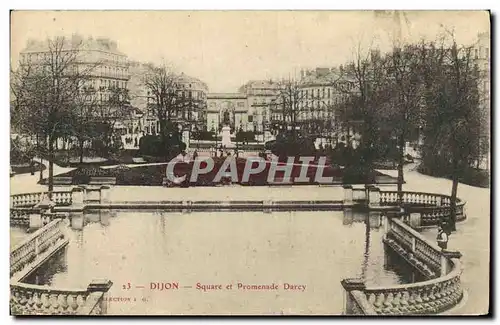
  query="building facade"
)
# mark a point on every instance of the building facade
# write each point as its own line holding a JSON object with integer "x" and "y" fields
{"x": 482, "y": 58}
{"x": 105, "y": 65}
{"x": 192, "y": 90}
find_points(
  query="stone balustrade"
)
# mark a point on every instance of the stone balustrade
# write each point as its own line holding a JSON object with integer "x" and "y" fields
{"x": 61, "y": 198}
{"x": 425, "y": 251}
{"x": 29, "y": 299}
{"x": 441, "y": 291}
{"x": 421, "y": 298}
{"x": 430, "y": 209}
{"x": 35, "y": 244}
{"x": 25, "y": 199}
{"x": 415, "y": 198}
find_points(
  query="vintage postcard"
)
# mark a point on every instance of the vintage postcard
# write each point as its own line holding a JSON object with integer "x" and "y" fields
{"x": 250, "y": 163}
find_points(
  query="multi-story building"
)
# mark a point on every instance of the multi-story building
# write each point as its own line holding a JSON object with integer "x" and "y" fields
{"x": 261, "y": 97}
{"x": 103, "y": 63}
{"x": 191, "y": 91}
{"x": 322, "y": 91}
{"x": 482, "y": 58}
{"x": 102, "y": 66}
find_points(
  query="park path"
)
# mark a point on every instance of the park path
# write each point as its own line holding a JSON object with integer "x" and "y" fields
{"x": 472, "y": 237}
{"x": 26, "y": 183}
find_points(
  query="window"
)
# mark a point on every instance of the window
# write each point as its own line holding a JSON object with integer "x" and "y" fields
{"x": 329, "y": 94}
{"x": 476, "y": 53}
{"x": 250, "y": 118}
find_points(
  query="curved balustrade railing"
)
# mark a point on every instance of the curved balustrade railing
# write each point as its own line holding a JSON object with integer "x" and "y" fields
{"x": 415, "y": 198}
{"x": 422, "y": 298}
{"x": 61, "y": 198}
{"x": 439, "y": 293}
{"x": 433, "y": 208}
{"x": 29, "y": 299}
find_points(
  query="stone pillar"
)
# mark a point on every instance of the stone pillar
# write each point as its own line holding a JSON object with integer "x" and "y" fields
{"x": 104, "y": 194}
{"x": 374, "y": 219}
{"x": 372, "y": 196}
{"x": 77, "y": 220}
{"x": 415, "y": 219}
{"x": 35, "y": 220}
{"x": 348, "y": 195}
{"x": 77, "y": 198}
{"x": 101, "y": 286}
{"x": 349, "y": 286}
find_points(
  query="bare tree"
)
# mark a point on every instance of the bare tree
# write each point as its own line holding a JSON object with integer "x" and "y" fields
{"x": 405, "y": 107}
{"x": 44, "y": 91}
{"x": 164, "y": 87}
{"x": 452, "y": 121}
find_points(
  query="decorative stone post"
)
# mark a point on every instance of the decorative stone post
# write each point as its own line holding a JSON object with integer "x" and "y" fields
{"x": 35, "y": 219}
{"x": 373, "y": 196}
{"x": 40, "y": 211}
{"x": 445, "y": 256}
{"x": 104, "y": 194}
{"x": 77, "y": 206}
{"x": 77, "y": 198}
{"x": 349, "y": 286}
{"x": 374, "y": 219}
{"x": 348, "y": 195}
{"x": 415, "y": 219}
{"x": 96, "y": 287}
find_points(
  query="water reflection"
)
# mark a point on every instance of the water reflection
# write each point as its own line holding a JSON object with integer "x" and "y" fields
{"x": 315, "y": 249}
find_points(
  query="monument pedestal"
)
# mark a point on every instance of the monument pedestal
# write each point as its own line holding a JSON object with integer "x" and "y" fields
{"x": 226, "y": 137}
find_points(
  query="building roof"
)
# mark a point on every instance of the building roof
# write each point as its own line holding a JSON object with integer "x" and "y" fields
{"x": 72, "y": 43}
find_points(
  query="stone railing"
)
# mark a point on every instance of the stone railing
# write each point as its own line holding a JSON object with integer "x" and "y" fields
{"x": 29, "y": 299}
{"x": 431, "y": 208}
{"x": 439, "y": 293}
{"x": 411, "y": 241}
{"x": 34, "y": 245}
{"x": 415, "y": 198}
{"x": 422, "y": 298}
{"x": 61, "y": 198}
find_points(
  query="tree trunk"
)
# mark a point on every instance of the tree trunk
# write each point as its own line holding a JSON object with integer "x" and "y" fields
{"x": 41, "y": 169}
{"x": 51, "y": 167}
{"x": 81, "y": 143}
{"x": 453, "y": 202}
{"x": 401, "y": 157}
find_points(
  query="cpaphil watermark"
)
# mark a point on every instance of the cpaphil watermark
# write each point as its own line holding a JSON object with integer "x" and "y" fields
{"x": 304, "y": 169}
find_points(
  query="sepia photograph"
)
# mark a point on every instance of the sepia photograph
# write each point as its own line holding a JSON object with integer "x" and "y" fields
{"x": 250, "y": 163}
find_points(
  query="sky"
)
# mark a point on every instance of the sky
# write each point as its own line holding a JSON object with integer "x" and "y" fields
{"x": 228, "y": 48}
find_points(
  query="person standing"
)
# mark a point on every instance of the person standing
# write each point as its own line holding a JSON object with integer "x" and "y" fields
{"x": 442, "y": 238}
